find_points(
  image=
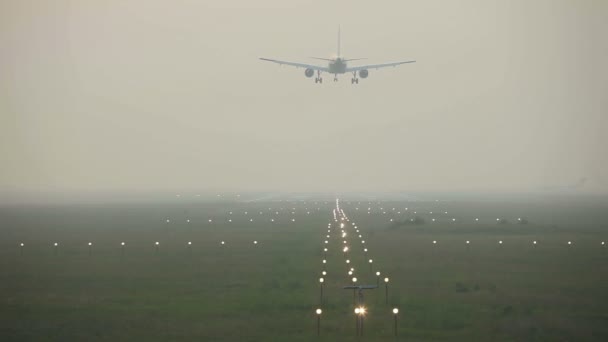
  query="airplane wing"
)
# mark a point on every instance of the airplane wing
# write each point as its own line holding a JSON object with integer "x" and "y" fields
{"x": 376, "y": 66}
{"x": 298, "y": 65}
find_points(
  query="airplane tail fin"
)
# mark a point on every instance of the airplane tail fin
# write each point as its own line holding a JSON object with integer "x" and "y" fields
{"x": 339, "y": 41}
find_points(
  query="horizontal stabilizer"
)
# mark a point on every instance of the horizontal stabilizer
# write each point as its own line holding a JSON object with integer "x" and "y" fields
{"x": 323, "y": 59}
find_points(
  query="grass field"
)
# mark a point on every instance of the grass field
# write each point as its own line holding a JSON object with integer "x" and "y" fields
{"x": 241, "y": 291}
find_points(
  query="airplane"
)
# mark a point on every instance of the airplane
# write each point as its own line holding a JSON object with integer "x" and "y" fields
{"x": 337, "y": 65}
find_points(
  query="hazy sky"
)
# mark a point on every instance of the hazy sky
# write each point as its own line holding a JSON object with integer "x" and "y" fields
{"x": 158, "y": 95}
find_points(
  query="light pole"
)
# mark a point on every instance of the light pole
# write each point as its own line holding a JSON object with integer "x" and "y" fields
{"x": 345, "y": 252}
{"x": 156, "y": 246}
{"x": 21, "y": 245}
{"x": 370, "y": 265}
{"x": 354, "y": 291}
{"x": 386, "y": 290}
{"x": 395, "y": 312}
{"x": 90, "y": 247}
{"x": 361, "y": 315}
{"x": 122, "y": 249}
{"x": 357, "y": 321}
{"x": 319, "y": 311}
{"x": 56, "y": 245}
{"x": 321, "y": 281}
{"x": 378, "y": 278}
{"x": 189, "y": 247}
{"x": 325, "y": 253}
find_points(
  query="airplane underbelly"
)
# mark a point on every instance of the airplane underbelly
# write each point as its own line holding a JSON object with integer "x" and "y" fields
{"x": 337, "y": 69}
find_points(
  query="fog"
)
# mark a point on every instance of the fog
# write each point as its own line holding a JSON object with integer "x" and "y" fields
{"x": 170, "y": 95}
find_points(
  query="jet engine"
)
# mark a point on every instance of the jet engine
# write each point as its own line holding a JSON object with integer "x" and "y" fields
{"x": 363, "y": 73}
{"x": 309, "y": 72}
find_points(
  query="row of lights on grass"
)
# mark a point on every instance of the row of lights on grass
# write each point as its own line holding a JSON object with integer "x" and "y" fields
{"x": 230, "y": 220}
{"x": 123, "y": 244}
{"x": 255, "y": 242}
{"x": 500, "y": 242}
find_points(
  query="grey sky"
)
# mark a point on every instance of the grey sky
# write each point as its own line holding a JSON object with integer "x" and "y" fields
{"x": 157, "y": 95}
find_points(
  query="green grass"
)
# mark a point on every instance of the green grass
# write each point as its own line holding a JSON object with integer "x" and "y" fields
{"x": 246, "y": 292}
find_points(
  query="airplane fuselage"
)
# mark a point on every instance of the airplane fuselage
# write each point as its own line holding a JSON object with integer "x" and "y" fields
{"x": 337, "y": 66}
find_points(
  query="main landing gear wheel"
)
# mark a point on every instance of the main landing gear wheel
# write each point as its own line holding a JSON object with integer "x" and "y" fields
{"x": 318, "y": 80}
{"x": 335, "y": 79}
{"x": 354, "y": 80}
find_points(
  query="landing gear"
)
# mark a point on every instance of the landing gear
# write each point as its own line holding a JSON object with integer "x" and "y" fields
{"x": 318, "y": 79}
{"x": 354, "y": 79}
{"x": 335, "y": 78}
